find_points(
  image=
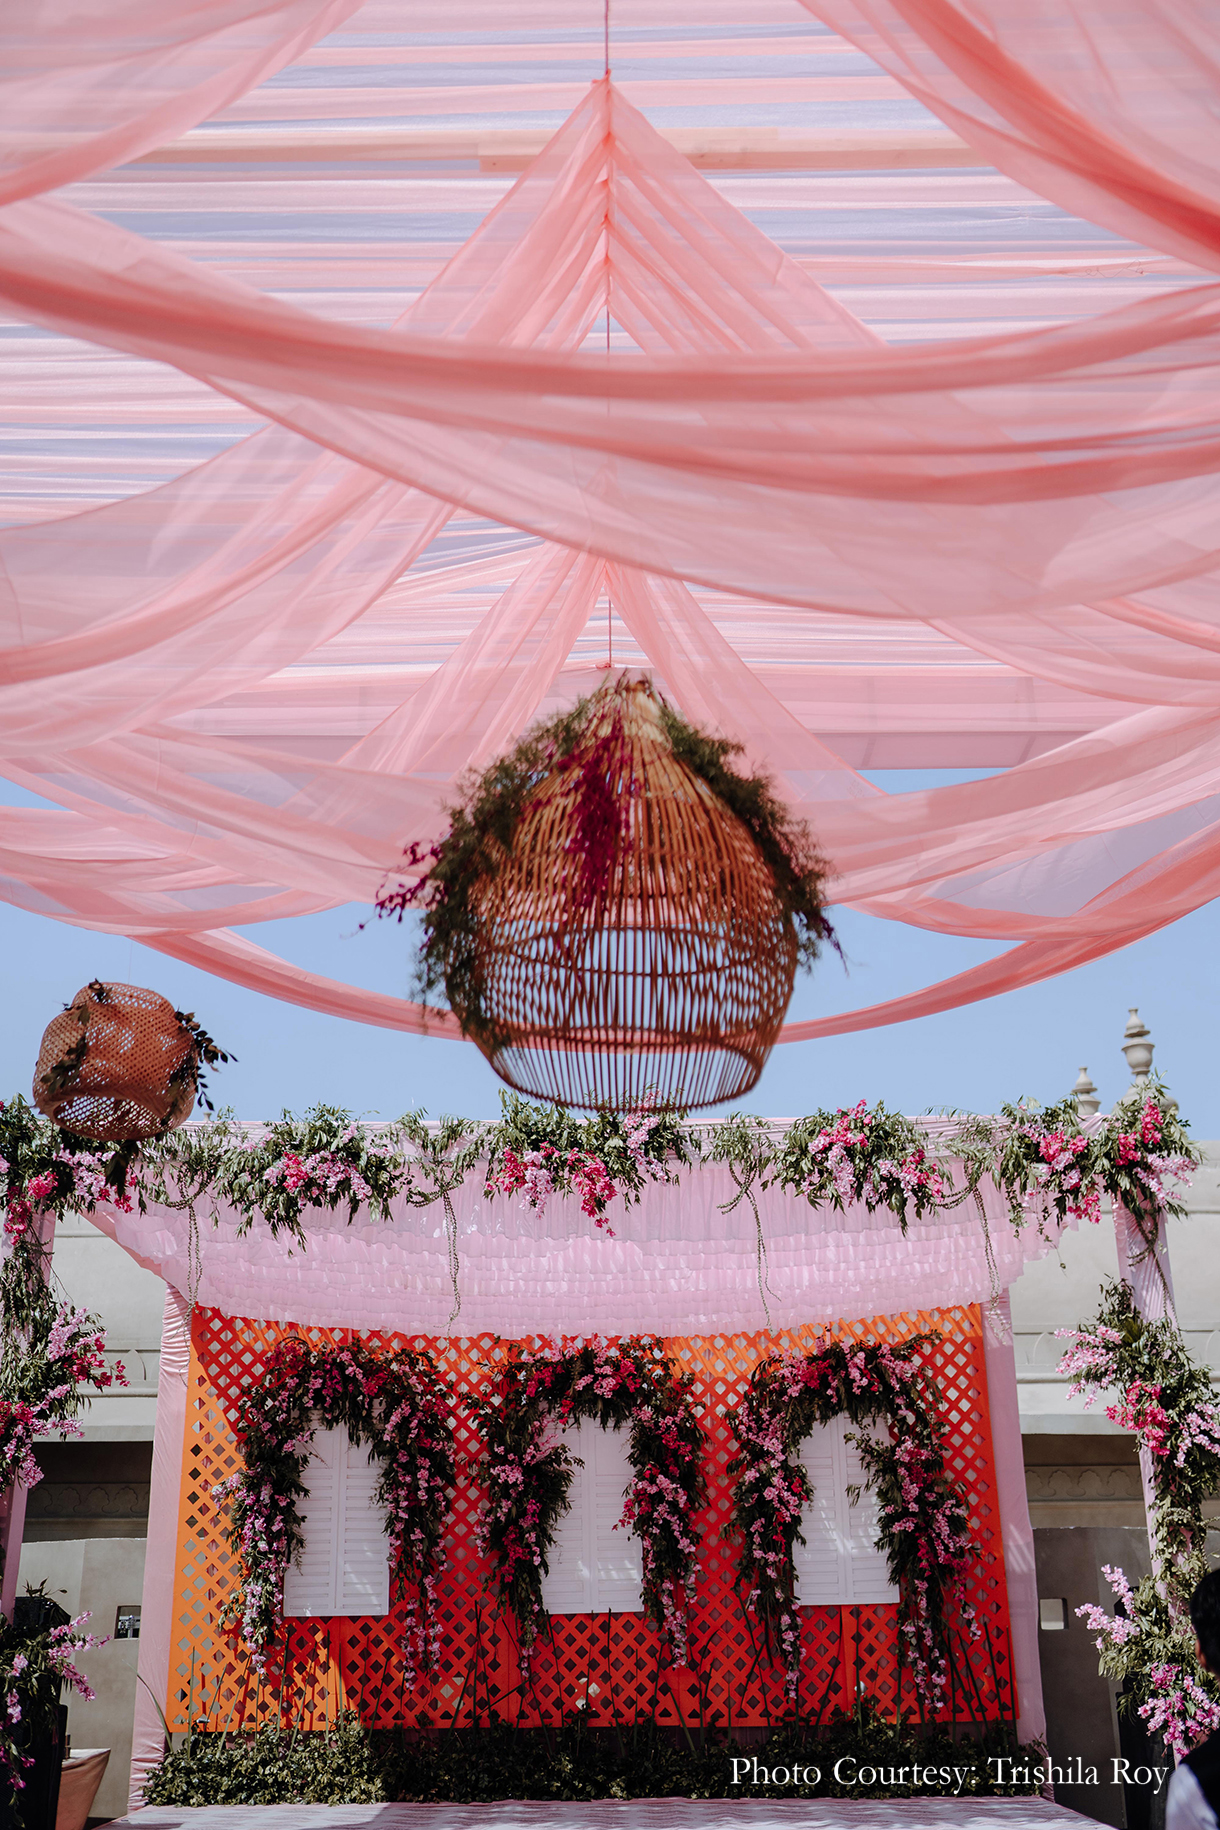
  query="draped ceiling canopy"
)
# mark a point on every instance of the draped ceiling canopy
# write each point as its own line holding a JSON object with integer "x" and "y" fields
{"x": 853, "y": 364}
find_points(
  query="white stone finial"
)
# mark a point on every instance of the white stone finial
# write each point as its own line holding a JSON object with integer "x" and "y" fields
{"x": 1085, "y": 1095}
{"x": 1138, "y": 1049}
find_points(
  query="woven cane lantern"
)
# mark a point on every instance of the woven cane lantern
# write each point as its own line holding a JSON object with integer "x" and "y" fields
{"x": 120, "y": 1064}
{"x": 631, "y": 940}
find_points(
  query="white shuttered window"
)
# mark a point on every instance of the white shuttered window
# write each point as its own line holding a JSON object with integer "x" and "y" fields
{"x": 839, "y": 1561}
{"x": 345, "y": 1567}
{"x": 593, "y": 1567}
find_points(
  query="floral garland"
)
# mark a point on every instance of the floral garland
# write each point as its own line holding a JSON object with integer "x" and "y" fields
{"x": 529, "y": 1470}
{"x": 32, "y": 1668}
{"x": 324, "y": 1160}
{"x": 1048, "y": 1165}
{"x": 1137, "y": 1155}
{"x": 923, "y": 1519}
{"x": 394, "y": 1402}
{"x": 1166, "y": 1399}
{"x": 50, "y": 1348}
{"x": 540, "y": 1151}
{"x": 865, "y": 1154}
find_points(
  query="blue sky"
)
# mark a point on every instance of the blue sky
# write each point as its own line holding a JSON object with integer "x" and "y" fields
{"x": 1026, "y": 1042}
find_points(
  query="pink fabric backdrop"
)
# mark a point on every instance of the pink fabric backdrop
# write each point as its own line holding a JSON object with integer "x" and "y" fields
{"x": 1041, "y": 500}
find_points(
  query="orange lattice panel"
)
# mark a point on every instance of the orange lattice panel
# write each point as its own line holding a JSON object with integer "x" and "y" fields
{"x": 609, "y": 1665}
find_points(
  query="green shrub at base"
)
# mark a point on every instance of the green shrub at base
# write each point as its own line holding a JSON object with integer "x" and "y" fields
{"x": 349, "y": 1764}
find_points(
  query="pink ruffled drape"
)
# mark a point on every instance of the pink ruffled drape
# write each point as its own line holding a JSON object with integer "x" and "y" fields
{"x": 684, "y": 1260}
{"x": 1043, "y": 501}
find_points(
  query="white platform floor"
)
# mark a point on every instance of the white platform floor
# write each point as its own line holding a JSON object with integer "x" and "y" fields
{"x": 630, "y": 1814}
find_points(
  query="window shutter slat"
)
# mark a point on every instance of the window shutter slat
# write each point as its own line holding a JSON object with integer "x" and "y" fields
{"x": 364, "y": 1572}
{"x": 620, "y": 1566}
{"x": 310, "y": 1589}
{"x": 567, "y": 1586}
{"x": 868, "y": 1567}
{"x": 593, "y": 1567}
{"x": 819, "y": 1561}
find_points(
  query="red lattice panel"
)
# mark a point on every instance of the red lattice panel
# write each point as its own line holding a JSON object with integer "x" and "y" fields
{"x": 609, "y": 1665}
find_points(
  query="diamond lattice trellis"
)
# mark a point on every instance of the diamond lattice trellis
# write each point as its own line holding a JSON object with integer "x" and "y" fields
{"x": 607, "y": 1664}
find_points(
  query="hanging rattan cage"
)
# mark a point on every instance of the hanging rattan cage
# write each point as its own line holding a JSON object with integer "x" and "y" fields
{"x": 117, "y": 1065}
{"x": 667, "y": 984}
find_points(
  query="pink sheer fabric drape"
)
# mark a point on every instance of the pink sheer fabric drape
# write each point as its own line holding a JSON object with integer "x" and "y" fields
{"x": 1044, "y": 499}
{"x": 157, "y": 1600}
{"x": 104, "y": 80}
{"x": 1109, "y": 110}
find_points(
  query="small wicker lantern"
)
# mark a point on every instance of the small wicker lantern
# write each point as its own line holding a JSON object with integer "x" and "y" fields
{"x": 664, "y": 982}
{"x": 118, "y": 1064}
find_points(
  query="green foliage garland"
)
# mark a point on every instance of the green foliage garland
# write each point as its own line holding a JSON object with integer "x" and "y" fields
{"x": 529, "y": 1471}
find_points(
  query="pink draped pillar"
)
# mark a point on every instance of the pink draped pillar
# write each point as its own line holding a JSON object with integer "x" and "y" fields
{"x": 1015, "y": 1528}
{"x": 12, "y": 1530}
{"x": 157, "y": 1603}
{"x": 1149, "y": 1274}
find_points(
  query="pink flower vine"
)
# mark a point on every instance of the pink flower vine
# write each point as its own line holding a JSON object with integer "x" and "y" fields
{"x": 395, "y": 1401}
{"x": 922, "y": 1521}
{"x": 529, "y": 1471}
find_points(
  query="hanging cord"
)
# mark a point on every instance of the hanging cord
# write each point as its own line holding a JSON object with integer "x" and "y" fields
{"x": 446, "y": 1173}
{"x": 749, "y": 1154}
{"x": 194, "y": 1259}
{"x": 451, "y": 1236}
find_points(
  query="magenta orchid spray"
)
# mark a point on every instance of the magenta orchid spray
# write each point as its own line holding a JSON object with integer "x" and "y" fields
{"x": 539, "y": 1152}
{"x": 866, "y": 1154}
{"x": 33, "y": 1667}
{"x": 1054, "y": 1169}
